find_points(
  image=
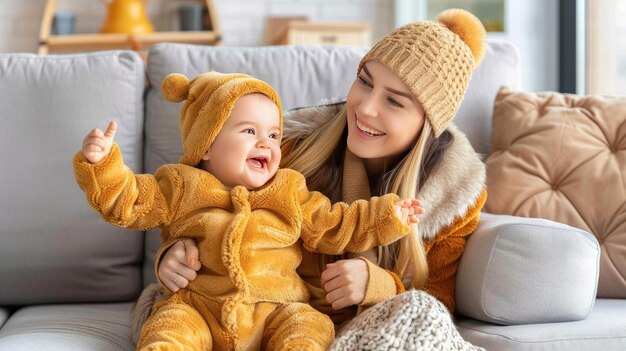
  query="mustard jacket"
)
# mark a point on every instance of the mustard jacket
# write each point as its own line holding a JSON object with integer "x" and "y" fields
{"x": 248, "y": 240}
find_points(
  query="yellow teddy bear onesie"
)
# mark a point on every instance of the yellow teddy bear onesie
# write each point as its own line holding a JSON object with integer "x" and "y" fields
{"x": 247, "y": 294}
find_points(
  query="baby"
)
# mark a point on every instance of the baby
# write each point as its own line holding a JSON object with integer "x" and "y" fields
{"x": 246, "y": 215}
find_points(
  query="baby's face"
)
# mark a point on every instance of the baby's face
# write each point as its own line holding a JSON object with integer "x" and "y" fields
{"x": 247, "y": 149}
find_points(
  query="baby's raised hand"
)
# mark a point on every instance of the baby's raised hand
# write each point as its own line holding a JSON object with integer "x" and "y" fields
{"x": 97, "y": 144}
{"x": 408, "y": 209}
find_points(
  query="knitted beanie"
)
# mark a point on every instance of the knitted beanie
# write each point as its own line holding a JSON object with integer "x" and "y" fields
{"x": 210, "y": 98}
{"x": 435, "y": 59}
{"x": 413, "y": 320}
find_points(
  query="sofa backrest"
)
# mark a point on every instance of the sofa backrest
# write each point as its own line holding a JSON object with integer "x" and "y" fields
{"x": 303, "y": 76}
{"x": 53, "y": 247}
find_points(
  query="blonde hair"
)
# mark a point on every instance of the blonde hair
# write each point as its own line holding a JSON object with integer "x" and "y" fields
{"x": 316, "y": 156}
{"x": 306, "y": 155}
{"x": 404, "y": 180}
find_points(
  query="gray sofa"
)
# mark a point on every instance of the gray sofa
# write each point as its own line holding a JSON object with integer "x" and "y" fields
{"x": 68, "y": 280}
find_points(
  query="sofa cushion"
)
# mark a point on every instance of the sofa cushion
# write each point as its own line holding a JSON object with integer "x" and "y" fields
{"x": 500, "y": 67}
{"x": 92, "y": 327}
{"x": 510, "y": 272}
{"x": 53, "y": 246}
{"x": 603, "y": 330}
{"x": 563, "y": 157}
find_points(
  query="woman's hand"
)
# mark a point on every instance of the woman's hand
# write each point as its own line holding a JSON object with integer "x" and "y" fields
{"x": 179, "y": 264}
{"x": 345, "y": 282}
{"x": 97, "y": 144}
{"x": 408, "y": 209}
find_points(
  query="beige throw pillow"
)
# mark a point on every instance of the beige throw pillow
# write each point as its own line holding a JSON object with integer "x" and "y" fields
{"x": 563, "y": 157}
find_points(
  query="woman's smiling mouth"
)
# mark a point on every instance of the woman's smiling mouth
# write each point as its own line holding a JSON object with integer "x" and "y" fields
{"x": 366, "y": 129}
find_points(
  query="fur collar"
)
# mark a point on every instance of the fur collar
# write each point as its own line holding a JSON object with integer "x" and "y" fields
{"x": 452, "y": 188}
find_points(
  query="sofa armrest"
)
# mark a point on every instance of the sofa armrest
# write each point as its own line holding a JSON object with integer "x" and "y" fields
{"x": 4, "y": 315}
{"x": 527, "y": 270}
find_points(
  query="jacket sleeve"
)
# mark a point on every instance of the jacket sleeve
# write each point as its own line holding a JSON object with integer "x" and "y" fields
{"x": 444, "y": 253}
{"x": 381, "y": 284}
{"x": 121, "y": 197}
{"x": 334, "y": 229}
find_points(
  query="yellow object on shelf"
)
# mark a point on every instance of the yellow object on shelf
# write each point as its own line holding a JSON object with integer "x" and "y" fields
{"x": 126, "y": 16}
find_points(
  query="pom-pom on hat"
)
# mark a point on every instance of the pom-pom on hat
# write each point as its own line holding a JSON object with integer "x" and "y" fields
{"x": 435, "y": 59}
{"x": 210, "y": 98}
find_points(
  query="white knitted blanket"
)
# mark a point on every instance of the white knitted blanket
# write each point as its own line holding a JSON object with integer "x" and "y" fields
{"x": 413, "y": 320}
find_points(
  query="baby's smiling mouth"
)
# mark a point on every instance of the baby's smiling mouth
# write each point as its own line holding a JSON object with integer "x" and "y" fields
{"x": 259, "y": 162}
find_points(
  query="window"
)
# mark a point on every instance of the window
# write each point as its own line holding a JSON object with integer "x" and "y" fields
{"x": 490, "y": 12}
{"x": 606, "y": 47}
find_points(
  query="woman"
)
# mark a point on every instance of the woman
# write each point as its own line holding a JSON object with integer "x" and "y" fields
{"x": 393, "y": 134}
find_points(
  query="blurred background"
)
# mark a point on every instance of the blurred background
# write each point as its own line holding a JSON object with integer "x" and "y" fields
{"x": 572, "y": 46}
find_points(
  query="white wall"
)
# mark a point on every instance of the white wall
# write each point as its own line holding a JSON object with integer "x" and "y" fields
{"x": 242, "y": 21}
{"x": 19, "y": 25}
{"x": 531, "y": 24}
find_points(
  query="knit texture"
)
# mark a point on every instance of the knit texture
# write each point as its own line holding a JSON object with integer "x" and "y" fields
{"x": 435, "y": 59}
{"x": 210, "y": 98}
{"x": 410, "y": 321}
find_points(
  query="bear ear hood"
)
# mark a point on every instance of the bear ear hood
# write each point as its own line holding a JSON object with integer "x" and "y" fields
{"x": 175, "y": 87}
{"x": 208, "y": 102}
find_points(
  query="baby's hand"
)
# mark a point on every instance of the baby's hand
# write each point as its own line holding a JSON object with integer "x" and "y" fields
{"x": 97, "y": 144}
{"x": 408, "y": 209}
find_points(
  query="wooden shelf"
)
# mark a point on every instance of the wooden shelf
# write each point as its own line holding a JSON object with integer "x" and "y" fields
{"x": 113, "y": 41}
{"x": 88, "y": 42}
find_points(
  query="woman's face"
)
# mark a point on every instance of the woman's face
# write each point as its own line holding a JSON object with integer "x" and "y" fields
{"x": 384, "y": 117}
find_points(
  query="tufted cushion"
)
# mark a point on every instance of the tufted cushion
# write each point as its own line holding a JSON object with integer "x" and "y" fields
{"x": 563, "y": 157}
